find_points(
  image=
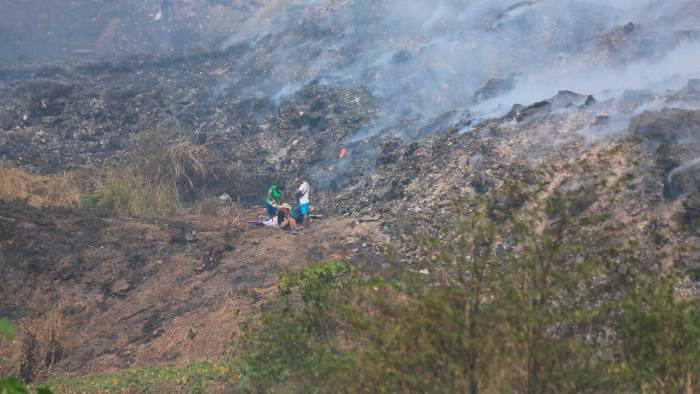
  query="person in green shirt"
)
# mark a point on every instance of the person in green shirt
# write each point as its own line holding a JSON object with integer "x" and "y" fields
{"x": 273, "y": 199}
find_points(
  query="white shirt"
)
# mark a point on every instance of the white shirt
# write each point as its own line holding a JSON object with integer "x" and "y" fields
{"x": 304, "y": 190}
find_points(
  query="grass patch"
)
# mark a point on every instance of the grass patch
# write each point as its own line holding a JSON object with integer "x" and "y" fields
{"x": 193, "y": 378}
{"x": 128, "y": 193}
{"x": 62, "y": 189}
{"x": 163, "y": 172}
{"x": 43, "y": 343}
{"x": 123, "y": 190}
{"x": 180, "y": 164}
{"x": 160, "y": 176}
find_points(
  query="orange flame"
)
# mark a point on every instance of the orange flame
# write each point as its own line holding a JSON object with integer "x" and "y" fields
{"x": 342, "y": 154}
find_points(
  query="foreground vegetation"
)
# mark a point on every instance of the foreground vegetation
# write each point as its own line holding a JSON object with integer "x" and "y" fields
{"x": 194, "y": 378}
{"x": 348, "y": 334}
{"x": 333, "y": 329}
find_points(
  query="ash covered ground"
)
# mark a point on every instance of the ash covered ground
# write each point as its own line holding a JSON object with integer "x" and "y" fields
{"x": 435, "y": 102}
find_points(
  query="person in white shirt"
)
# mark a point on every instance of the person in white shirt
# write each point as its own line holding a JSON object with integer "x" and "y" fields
{"x": 304, "y": 202}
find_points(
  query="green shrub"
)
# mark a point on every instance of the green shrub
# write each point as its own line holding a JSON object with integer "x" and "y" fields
{"x": 293, "y": 347}
{"x": 88, "y": 200}
{"x": 659, "y": 340}
{"x": 7, "y": 329}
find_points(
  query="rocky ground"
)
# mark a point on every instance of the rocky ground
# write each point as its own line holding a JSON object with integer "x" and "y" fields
{"x": 416, "y": 181}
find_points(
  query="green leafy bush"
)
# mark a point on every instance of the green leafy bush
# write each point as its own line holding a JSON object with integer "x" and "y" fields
{"x": 7, "y": 329}
{"x": 659, "y": 340}
{"x": 293, "y": 347}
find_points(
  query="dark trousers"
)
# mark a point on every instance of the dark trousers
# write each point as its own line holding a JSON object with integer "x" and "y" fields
{"x": 271, "y": 211}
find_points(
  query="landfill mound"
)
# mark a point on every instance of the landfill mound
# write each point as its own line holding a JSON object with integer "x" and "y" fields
{"x": 392, "y": 113}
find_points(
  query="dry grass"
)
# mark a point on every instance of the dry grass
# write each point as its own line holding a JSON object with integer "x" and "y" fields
{"x": 183, "y": 165}
{"x": 160, "y": 175}
{"x": 43, "y": 342}
{"x": 215, "y": 207}
{"x": 186, "y": 163}
{"x": 126, "y": 192}
{"x": 39, "y": 190}
{"x": 121, "y": 189}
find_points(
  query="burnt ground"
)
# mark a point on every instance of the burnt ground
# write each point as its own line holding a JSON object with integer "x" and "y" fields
{"x": 133, "y": 293}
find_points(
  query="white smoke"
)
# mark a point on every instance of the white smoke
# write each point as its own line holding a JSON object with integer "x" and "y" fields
{"x": 425, "y": 58}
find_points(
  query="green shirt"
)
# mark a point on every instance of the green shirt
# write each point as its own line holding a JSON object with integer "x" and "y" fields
{"x": 273, "y": 195}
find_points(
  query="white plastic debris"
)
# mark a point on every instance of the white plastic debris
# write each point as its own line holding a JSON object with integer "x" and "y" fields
{"x": 225, "y": 197}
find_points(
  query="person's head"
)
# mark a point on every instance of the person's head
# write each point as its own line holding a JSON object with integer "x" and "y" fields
{"x": 280, "y": 188}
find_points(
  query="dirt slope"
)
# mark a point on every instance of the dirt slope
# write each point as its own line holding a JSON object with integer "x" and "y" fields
{"x": 133, "y": 293}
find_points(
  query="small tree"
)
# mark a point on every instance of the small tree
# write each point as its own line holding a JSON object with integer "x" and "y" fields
{"x": 659, "y": 339}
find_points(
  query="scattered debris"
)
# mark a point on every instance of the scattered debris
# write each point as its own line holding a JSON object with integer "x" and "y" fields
{"x": 120, "y": 288}
{"x": 367, "y": 219}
